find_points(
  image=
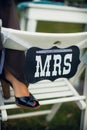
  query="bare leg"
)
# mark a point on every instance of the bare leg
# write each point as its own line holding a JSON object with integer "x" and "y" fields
{"x": 20, "y": 89}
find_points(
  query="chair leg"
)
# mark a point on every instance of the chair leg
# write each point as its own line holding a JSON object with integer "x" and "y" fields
{"x": 6, "y": 89}
{"x": 83, "y": 124}
{"x": 54, "y": 110}
{"x": 0, "y": 125}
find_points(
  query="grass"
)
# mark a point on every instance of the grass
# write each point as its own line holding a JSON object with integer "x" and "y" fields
{"x": 58, "y": 27}
{"x": 68, "y": 117}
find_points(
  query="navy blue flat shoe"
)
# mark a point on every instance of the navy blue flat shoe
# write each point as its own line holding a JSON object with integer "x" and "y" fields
{"x": 27, "y": 102}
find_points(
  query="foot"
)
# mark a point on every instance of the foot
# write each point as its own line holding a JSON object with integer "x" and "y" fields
{"x": 23, "y": 97}
{"x": 27, "y": 102}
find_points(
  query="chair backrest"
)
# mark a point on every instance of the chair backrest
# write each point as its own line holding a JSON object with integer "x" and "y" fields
{"x": 24, "y": 40}
{"x": 44, "y": 46}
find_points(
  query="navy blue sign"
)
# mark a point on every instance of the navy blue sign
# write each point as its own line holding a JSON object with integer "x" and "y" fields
{"x": 51, "y": 63}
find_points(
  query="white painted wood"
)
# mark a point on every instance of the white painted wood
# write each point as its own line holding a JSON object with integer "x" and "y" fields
{"x": 22, "y": 40}
{"x": 47, "y": 92}
{"x": 53, "y": 112}
{"x": 47, "y": 12}
{"x": 84, "y": 113}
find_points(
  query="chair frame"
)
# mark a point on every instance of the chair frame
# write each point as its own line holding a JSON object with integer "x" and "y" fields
{"x": 19, "y": 40}
{"x": 31, "y": 13}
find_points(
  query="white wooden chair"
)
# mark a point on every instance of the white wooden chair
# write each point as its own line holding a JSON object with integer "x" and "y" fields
{"x": 48, "y": 92}
{"x": 32, "y": 12}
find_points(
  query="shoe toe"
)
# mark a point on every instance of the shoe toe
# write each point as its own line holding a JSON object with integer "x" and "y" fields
{"x": 28, "y": 101}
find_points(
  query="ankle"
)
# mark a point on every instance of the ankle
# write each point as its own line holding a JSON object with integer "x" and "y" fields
{"x": 20, "y": 89}
{"x": 8, "y": 75}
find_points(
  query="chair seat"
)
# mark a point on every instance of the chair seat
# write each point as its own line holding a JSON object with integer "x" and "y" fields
{"x": 46, "y": 92}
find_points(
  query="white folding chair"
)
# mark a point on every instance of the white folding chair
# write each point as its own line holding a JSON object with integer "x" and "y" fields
{"x": 32, "y": 12}
{"x": 61, "y": 89}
